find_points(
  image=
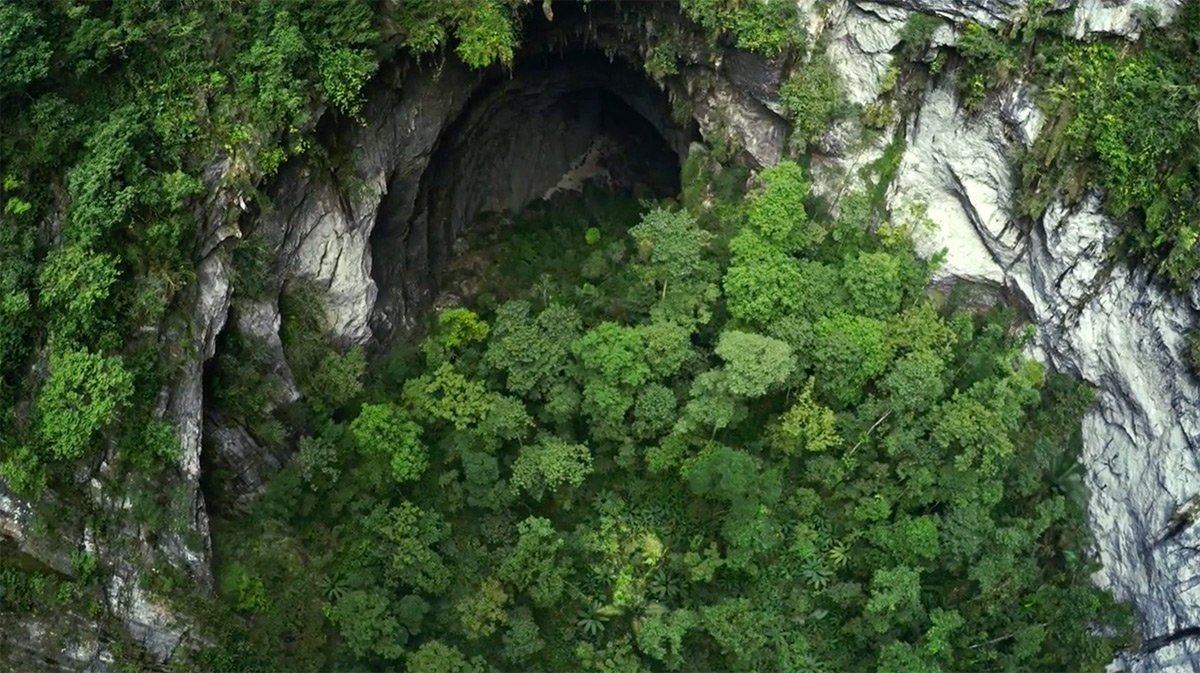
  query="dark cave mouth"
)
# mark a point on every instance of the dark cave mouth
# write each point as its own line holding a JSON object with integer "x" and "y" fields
{"x": 562, "y": 120}
{"x": 553, "y": 125}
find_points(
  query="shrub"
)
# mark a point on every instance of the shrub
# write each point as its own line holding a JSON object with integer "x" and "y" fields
{"x": 75, "y": 284}
{"x": 1192, "y": 355}
{"x": 812, "y": 97}
{"x": 768, "y": 27}
{"x": 990, "y": 60}
{"x": 83, "y": 395}
{"x": 23, "y": 472}
{"x": 383, "y": 430}
{"x": 344, "y": 71}
{"x": 917, "y": 34}
{"x": 486, "y": 34}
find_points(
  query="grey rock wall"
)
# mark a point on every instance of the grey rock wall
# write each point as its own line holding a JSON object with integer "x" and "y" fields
{"x": 369, "y": 240}
{"x": 1095, "y": 318}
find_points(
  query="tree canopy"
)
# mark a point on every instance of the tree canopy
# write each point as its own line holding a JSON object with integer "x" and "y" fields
{"x": 848, "y": 477}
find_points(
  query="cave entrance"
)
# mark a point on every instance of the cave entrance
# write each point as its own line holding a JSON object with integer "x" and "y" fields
{"x": 557, "y": 123}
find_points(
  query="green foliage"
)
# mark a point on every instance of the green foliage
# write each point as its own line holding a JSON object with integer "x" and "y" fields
{"x": 522, "y": 640}
{"x": 364, "y": 622}
{"x": 550, "y": 464}
{"x": 24, "y": 49}
{"x": 661, "y": 636}
{"x": 120, "y": 119}
{"x": 252, "y": 258}
{"x": 914, "y": 507}
{"x": 849, "y": 351}
{"x": 828, "y": 472}
{"x": 533, "y": 565}
{"x": 768, "y": 27}
{"x": 74, "y": 285}
{"x": 754, "y": 364}
{"x": 1193, "y": 349}
{"x": 1102, "y": 134}
{"x": 805, "y": 426}
{"x": 486, "y": 33}
{"x": 672, "y": 246}
{"x": 456, "y": 329}
{"x": 662, "y": 58}
{"x": 614, "y": 354}
{"x": 763, "y": 283}
{"x": 383, "y": 430}
{"x": 156, "y": 445}
{"x": 481, "y": 613}
{"x": 812, "y": 98}
{"x": 246, "y": 387}
{"x": 23, "y": 471}
{"x": 317, "y": 460}
{"x": 343, "y": 73}
{"x": 336, "y": 380}
{"x": 916, "y": 380}
{"x": 534, "y": 353}
{"x": 893, "y": 590}
{"x": 245, "y": 590}
{"x": 407, "y": 534}
{"x": 437, "y": 657}
{"x": 777, "y": 212}
{"x": 446, "y": 396}
{"x": 917, "y": 34}
{"x": 874, "y": 284}
{"x": 328, "y": 379}
{"x": 655, "y": 410}
{"x": 990, "y": 62}
{"x": 82, "y": 397}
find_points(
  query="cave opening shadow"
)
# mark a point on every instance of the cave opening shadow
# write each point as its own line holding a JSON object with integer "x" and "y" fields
{"x": 553, "y": 126}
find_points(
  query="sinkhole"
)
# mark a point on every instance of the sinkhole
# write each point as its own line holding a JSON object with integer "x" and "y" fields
{"x": 377, "y": 218}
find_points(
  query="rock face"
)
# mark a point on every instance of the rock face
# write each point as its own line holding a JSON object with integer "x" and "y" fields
{"x": 438, "y": 145}
{"x": 956, "y": 165}
{"x": 1125, "y": 18}
{"x": 1113, "y": 327}
{"x": 518, "y": 139}
{"x": 1095, "y": 318}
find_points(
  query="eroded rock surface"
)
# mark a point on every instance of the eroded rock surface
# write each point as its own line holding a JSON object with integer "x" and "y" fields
{"x": 1096, "y": 318}
{"x": 1103, "y": 321}
{"x": 1127, "y": 18}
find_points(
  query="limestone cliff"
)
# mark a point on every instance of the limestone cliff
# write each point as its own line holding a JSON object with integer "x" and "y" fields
{"x": 439, "y": 144}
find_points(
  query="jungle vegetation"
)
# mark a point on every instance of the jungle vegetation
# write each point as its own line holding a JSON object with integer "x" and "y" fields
{"x": 714, "y": 434}
{"x": 726, "y": 431}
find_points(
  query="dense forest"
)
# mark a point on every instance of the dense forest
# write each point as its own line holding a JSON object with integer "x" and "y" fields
{"x": 713, "y": 434}
{"x": 729, "y": 429}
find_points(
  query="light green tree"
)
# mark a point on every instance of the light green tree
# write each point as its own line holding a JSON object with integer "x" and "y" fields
{"x": 777, "y": 210}
{"x": 550, "y": 464}
{"x": 438, "y": 657}
{"x": 481, "y": 612}
{"x": 874, "y": 284}
{"x": 365, "y": 624}
{"x": 383, "y": 430}
{"x": 806, "y": 426}
{"x": 534, "y": 565}
{"x": 83, "y": 395}
{"x": 848, "y": 352}
{"x": 533, "y": 352}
